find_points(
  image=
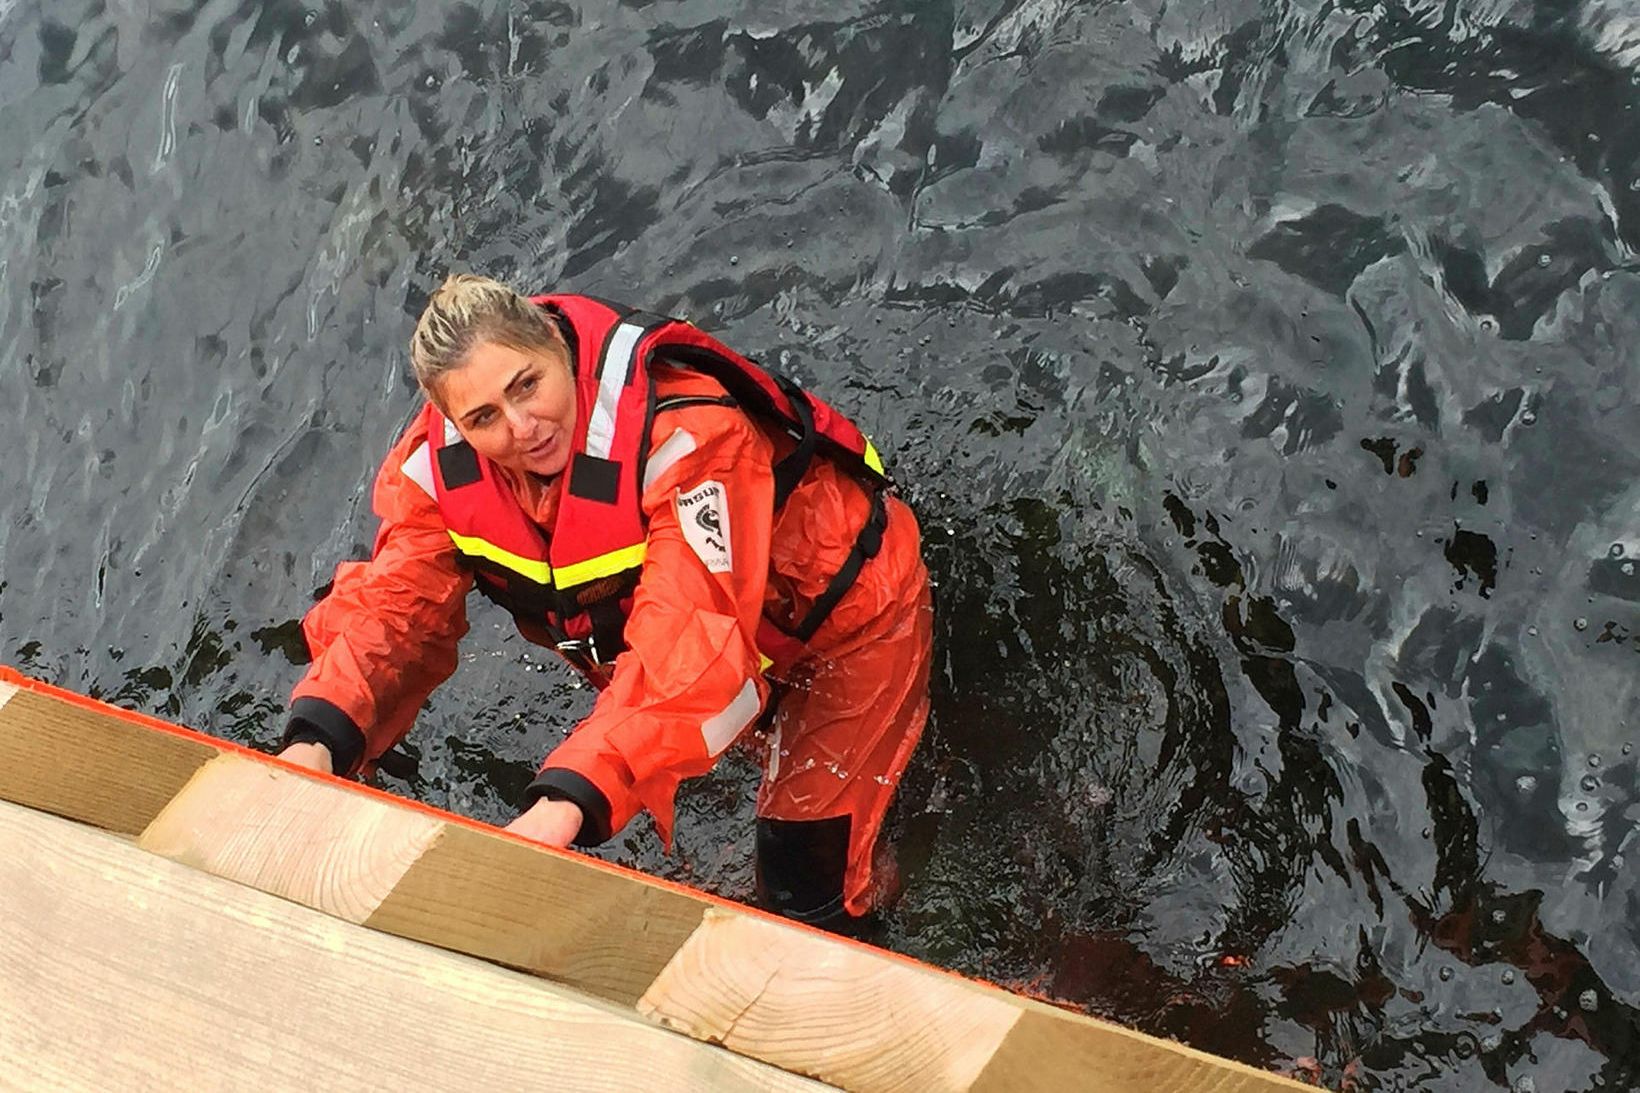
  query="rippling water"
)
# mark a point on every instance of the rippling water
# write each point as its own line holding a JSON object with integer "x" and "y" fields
{"x": 1262, "y": 371}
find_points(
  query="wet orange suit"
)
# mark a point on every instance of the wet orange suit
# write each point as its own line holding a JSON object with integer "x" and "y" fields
{"x": 851, "y": 708}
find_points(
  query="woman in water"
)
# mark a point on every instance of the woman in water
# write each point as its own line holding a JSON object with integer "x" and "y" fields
{"x": 714, "y": 548}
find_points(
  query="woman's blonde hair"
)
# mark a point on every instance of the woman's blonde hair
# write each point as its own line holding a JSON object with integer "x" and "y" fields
{"x": 468, "y": 311}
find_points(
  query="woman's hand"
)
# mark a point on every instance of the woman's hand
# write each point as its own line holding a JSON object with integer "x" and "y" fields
{"x": 310, "y": 754}
{"x": 547, "y": 821}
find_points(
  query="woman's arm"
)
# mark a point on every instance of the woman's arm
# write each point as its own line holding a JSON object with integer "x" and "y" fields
{"x": 386, "y": 634}
{"x": 689, "y": 682}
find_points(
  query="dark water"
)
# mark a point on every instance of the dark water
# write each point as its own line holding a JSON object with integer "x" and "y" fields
{"x": 1263, "y": 371}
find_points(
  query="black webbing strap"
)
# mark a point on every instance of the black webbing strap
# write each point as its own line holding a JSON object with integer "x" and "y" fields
{"x": 790, "y": 471}
{"x": 865, "y": 549}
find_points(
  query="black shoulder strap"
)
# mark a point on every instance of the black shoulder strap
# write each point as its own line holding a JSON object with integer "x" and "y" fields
{"x": 790, "y": 471}
{"x": 866, "y": 546}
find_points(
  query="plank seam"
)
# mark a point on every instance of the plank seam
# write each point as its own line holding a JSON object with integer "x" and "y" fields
{"x": 193, "y": 778}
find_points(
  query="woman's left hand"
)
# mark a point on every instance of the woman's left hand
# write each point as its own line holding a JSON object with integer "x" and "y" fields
{"x": 547, "y": 821}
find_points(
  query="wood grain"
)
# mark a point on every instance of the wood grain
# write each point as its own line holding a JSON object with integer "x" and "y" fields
{"x": 121, "y": 970}
{"x": 91, "y": 766}
{"x": 603, "y": 931}
{"x": 311, "y": 840}
{"x": 836, "y": 1011}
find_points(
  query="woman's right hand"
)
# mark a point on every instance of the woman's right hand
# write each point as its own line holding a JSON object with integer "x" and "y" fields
{"x": 309, "y": 754}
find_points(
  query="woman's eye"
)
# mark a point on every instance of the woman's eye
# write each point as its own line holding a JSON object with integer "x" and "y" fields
{"x": 527, "y": 385}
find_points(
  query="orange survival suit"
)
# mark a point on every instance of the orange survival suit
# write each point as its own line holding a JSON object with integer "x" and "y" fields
{"x": 716, "y": 527}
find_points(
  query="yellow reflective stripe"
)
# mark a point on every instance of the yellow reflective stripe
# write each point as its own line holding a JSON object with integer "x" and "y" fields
{"x": 539, "y": 572}
{"x": 873, "y": 460}
{"x": 604, "y": 565}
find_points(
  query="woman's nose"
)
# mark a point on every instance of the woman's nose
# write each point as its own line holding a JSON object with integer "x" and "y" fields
{"x": 519, "y": 422}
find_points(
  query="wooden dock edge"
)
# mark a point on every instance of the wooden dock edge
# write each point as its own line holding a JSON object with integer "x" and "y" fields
{"x": 122, "y": 970}
{"x": 806, "y": 1002}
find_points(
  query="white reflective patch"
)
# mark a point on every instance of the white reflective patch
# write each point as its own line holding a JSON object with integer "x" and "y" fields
{"x": 419, "y": 468}
{"x": 452, "y": 435}
{"x": 664, "y": 458}
{"x": 616, "y": 367}
{"x": 703, "y": 513}
{"x": 720, "y": 730}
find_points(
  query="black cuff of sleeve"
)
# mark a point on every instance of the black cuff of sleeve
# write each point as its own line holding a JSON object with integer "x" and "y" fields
{"x": 313, "y": 720}
{"x": 557, "y": 784}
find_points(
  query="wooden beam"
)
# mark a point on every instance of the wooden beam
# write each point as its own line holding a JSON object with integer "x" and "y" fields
{"x": 337, "y": 852}
{"x": 842, "y": 1013}
{"x": 74, "y": 759}
{"x": 812, "y": 1003}
{"x": 478, "y": 893}
{"x": 121, "y": 970}
{"x": 368, "y": 859}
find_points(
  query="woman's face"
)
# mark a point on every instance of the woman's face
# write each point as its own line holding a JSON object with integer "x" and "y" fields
{"x": 516, "y": 407}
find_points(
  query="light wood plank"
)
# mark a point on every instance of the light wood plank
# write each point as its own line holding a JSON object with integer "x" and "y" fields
{"x": 314, "y": 841}
{"x": 91, "y": 765}
{"x": 836, "y": 1011}
{"x": 606, "y": 932}
{"x": 121, "y": 970}
{"x": 372, "y": 860}
{"x": 1050, "y": 1050}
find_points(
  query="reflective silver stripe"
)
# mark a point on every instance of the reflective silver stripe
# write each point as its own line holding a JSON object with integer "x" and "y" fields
{"x": 452, "y": 435}
{"x": 664, "y": 458}
{"x": 720, "y": 730}
{"x": 616, "y": 367}
{"x": 419, "y": 468}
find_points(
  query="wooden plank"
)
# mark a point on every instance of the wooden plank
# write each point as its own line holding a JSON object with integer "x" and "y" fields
{"x": 306, "y": 839}
{"x": 121, "y": 970}
{"x": 839, "y": 1012}
{"x": 588, "y": 926}
{"x": 1050, "y": 1050}
{"x": 78, "y": 761}
{"x": 371, "y": 860}
{"x": 811, "y": 1002}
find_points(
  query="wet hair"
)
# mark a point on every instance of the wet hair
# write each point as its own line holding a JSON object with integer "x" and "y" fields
{"x": 468, "y": 311}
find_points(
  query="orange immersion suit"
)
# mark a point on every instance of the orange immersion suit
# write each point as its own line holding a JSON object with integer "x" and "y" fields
{"x": 851, "y": 705}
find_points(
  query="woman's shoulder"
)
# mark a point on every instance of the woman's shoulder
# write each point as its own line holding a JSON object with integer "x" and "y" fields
{"x": 695, "y": 422}
{"x": 404, "y": 480}
{"x": 685, "y": 398}
{"x": 675, "y": 382}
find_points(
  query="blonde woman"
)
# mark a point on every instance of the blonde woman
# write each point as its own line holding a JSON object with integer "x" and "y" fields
{"x": 695, "y": 535}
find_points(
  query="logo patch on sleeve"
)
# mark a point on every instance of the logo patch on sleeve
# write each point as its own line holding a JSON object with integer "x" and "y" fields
{"x": 703, "y": 513}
